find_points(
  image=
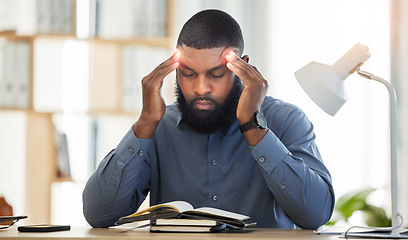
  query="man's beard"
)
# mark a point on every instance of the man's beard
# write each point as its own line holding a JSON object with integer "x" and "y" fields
{"x": 209, "y": 121}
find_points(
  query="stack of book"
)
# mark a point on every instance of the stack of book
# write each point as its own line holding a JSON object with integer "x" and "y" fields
{"x": 180, "y": 216}
{"x": 186, "y": 225}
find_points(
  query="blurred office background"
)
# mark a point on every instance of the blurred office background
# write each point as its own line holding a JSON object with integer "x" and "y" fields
{"x": 81, "y": 86}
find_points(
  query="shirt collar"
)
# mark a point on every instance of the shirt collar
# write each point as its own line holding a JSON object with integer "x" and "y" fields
{"x": 179, "y": 119}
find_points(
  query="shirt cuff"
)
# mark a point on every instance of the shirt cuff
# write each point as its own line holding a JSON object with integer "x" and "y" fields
{"x": 131, "y": 146}
{"x": 269, "y": 152}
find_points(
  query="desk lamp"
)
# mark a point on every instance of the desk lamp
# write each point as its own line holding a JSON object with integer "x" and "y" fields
{"x": 325, "y": 86}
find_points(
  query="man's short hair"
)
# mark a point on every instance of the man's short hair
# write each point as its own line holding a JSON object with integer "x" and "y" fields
{"x": 211, "y": 29}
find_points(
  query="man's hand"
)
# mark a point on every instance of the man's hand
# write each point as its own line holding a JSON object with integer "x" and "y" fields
{"x": 252, "y": 97}
{"x": 153, "y": 103}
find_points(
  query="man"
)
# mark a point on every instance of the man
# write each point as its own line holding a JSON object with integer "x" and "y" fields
{"x": 223, "y": 144}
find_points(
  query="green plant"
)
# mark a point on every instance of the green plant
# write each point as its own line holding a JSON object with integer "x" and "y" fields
{"x": 357, "y": 201}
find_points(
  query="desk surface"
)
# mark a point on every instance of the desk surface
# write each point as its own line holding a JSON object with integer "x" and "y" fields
{"x": 120, "y": 234}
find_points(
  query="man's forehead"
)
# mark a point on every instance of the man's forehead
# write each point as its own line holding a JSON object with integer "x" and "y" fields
{"x": 212, "y": 57}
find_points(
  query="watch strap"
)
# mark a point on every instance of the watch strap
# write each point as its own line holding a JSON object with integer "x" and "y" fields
{"x": 248, "y": 125}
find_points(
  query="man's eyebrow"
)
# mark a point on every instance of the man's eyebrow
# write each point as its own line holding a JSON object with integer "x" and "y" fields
{"x": 186, "y": 67}
{"x": 216, "y": 68}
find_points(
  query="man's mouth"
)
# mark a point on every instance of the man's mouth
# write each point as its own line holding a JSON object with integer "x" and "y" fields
{"x": 203, "y": 104}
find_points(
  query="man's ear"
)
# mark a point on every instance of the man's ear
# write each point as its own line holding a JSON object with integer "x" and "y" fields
{"x": 245, "y": 58}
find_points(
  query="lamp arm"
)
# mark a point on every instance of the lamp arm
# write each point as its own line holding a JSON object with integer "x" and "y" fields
{"x": 393, "y": 143}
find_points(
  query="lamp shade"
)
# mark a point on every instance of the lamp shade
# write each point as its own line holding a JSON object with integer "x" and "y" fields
{"x": 325, "y": 84}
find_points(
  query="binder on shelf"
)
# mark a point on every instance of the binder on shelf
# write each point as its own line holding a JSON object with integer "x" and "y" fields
{"x": 57, "y": 16}
{"x": 139, "y": 15}
{"x": 2, "y": 75}
{"x": 8, "y": 18}
{"x": 28, "y": 17}
{"x": 44, "y": 17}
{"x": 22, "y": 75}
{"x": 63, "y": 166}
{"x": 68, "y": 19}
{"x": 129, "y": 18}
{"x": 94, "y": 21}
{"x": 105, "y": 20}
{"x": 162, "y": 18}
{"x": 156, "y": 18}
{"x": 14, "y": 74}
{"x": 10, "y": 71}
{"x": 139, "y": 61}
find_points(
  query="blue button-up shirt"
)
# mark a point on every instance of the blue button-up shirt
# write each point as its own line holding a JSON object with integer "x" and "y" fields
{"x": 281, "y": 182}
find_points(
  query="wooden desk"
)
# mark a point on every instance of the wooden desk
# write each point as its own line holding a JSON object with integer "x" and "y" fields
{"x": 118, "y": 234}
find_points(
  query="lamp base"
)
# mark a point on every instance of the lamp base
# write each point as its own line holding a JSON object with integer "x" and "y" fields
{"x": 385, "y": 235}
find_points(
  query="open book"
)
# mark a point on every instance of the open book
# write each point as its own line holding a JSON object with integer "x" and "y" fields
{"x": 182, "y": 210}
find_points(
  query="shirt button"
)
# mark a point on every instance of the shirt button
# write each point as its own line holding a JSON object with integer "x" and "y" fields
{"x": 214, "y": 162}
{"x": 113, "y": 183}
{"x": 215, "y": 198}
{"x": 131, "y": 151}
{"x": 262, "y": 159}
{"x": 140, "y": 152}
{"x": 283, "y": 187}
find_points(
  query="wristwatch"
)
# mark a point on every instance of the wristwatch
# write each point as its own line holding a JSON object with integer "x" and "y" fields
{"x": 258, "y": 121}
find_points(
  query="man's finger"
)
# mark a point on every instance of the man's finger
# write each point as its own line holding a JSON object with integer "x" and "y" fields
{"x": 162, "y": 73}
{"x": 242, "y": 74}
{"x": 171, "y": 60}
{"x": 239, "y": 63}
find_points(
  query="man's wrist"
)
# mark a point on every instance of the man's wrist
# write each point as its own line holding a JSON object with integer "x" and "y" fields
{"x": 258, "y": 120}
{"x": 145, "y": 128}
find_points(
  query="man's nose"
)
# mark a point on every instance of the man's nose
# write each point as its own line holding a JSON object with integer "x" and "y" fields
{"x": 202, "y": 85}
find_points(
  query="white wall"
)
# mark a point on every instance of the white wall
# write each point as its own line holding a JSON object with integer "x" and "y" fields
{"x": 12, "y": 159}
{"x": 354, "y": 144}
{"x": 283, "y": 36}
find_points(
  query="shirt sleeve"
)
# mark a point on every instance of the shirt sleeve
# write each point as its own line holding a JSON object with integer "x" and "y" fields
{"x": 295, "y": 173}
{"x": 120, "y": 183}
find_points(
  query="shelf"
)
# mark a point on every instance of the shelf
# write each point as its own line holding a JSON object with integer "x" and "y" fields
{"x": 103, "y": 82}
{"x": 148, "y": 41}
{"x": 11, "y": 35}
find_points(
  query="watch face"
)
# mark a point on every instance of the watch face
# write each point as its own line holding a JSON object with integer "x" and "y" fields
{"x": 261, "y": 120}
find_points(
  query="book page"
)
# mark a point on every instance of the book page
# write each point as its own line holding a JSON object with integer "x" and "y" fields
{"x": 178, "y": 206}
{"x": 181, "y": 206}
{"x": 223, "y": 213}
